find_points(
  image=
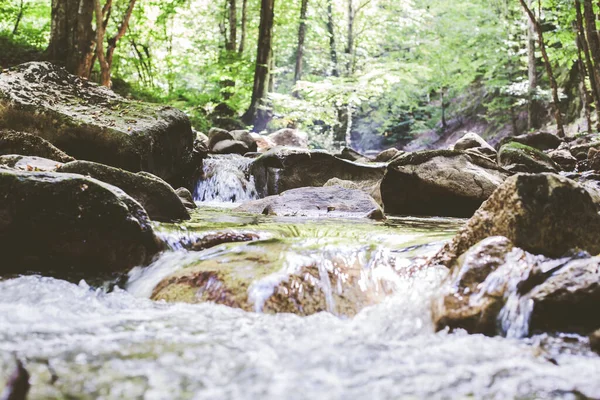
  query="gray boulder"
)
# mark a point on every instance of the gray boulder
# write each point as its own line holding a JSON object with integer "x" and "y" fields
{"x": 29, "y": 163}
{"x": 12, "y": 142}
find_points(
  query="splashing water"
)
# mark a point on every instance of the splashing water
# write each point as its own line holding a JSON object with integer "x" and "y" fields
{"x": 226, "y": 180}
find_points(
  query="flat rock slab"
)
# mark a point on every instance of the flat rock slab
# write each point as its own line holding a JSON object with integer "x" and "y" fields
{"x": 91, "y": 122}
{"x": 317, "y": 202}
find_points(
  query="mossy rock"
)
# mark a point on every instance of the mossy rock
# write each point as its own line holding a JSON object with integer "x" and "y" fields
{"x": 93, "y": 123}
{"x": 518, "y": 157}
{"x": 155, "y": 195}
{"x": 24, "y": 144}
{"x": 54, "y": 223}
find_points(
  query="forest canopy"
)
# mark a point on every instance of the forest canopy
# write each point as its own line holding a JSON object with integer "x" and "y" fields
{"x": 373, "y": 73}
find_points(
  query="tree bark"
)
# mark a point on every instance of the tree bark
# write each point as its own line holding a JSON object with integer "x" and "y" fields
{"x": 232, "y": 40}
{"x": 588, "y": 67}
{"x": 331, "y": 32}
{"x": 72, "y": 36}
{"x": 19, "y": 18}
{"x": 301, "y": 38}
{"x": 533, "y": 106}
{"x": 244, "y": 23}
{"x": 258, "y": 114}
{"x": 350, "y": 36}
{"x": 553, "y": 84}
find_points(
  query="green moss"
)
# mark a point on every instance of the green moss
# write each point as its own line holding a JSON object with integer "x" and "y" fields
{"x": 533, "y": 159}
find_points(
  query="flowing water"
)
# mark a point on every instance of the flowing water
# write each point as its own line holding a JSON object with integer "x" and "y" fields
{"x": 225, "y": 180}
{"x": 88, "y": 342}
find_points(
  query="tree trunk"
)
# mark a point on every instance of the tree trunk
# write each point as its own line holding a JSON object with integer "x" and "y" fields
{"x": 592, "y": 72}
{"x": 244, "y": 23}
{"x": 350, "y": 38}
{"x": 553, "y": 84}
{"x": 258, "y": 114}
{"x": 533, "y": 106}
{"x": 19, "y": 18}
{"x": 72, "y": 36}
{"x": 301, "y": 38}
{"x": 232, "y": 40}
{"x": 331, "y": 32}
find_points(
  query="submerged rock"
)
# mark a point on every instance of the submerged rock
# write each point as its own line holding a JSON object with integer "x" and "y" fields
{"x": 91, "y": 122}
{"x": 517, "y": 157}
{"x": 156, "y": 196}
{"x": 542, "y": 214}
{"x": 256, "y": 277}
{"x": 314, "y": 202}
{"x": 12, "y": 142}
{"x": 441, "y": 182}
{"x": 29, "y": 163}
{"x": 282, "y": 169}
{"x": 55, "y": 223}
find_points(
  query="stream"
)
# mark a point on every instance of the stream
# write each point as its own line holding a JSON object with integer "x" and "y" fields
{"x": 113, "y": 342}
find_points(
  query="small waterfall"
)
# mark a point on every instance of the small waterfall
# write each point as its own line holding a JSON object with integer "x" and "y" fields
{"x": 226, "y": 180}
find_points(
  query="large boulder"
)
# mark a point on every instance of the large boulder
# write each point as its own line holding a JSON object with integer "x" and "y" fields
{"x": 290, "y": 138}
{"x": 54, "y": 223}
{"x": 282, "y": 169}
{"x": 315, "y": 202}
{"x": 542, "y": 214}
{"x": 12, "y": 142}
{"x": 156, "y": 196}
{"x": 91, "y": 122}
{"x": 440, "y": 182}
{"x": 496, "y": 288}
{"x": 517, "y": 157}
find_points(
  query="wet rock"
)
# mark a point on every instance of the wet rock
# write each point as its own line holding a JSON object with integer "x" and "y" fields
{"x": 290, "y": 138}
{"x": 12, "y": 142}
{"x": 18, "y": 384}
{"x": 29, "y": 163}
{"x": 156, "y": 196}
{"x": 216, "y": 239}
{"x": 580, "y": 151}
{"x": 388, "y": 155}
{"x": 314, "y": 202}
{"x": 542, "y": 214}
{"x": 370, "y": 188}
{"x": 595, "y": 341}
{"x": 216, "y": 135}
{"x": 255, "y": 277}
{"x": 517, "y": 157}
{"x": 352, "y": 155}
{"x": 245, "y": 137}
{"x": 56, "y": 223}
{"x": 440, "y": 182}
{"x": 263, "y": 142}
{"x": 230, "y": 147}
{"x": 473, "y": 141}
{"x": 202, "y": 138}
{"x": 91, "y": 122}
{"x": 539, "y": 140}
{"x": 186, "y": 198}
{"x": 564, "y": 159}
{"x": 282, "y": 169}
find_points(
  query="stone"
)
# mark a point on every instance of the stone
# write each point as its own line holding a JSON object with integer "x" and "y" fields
{"x": 352, "y": 155}
{"x": 56, "y": 224}
{"x": 595, "y": 341}
{"x": 244, "y": 136}
{"x": 290, "y": 138}
{"x": 283, "y": 168}
{"x": 215, "y": 135}
{"x": 230, "y": 147}
{"x": 517, "y": 157}
{"x": 29, "y": 163}
{"x": 539, "y": 140}
{"x": 373, "y": 189}
{"x": 564, "y": 159}
{"x": 12, "y": 142}
{"x": 186, "y": 198}
{"x": 90, "y": 122}
{"x": 542, "y": 214}
{"x": 317, "y": 202}
{"x": 263, "y": 142}
{"x": 156, "y": 196}
{"x": 473, "y": 141}
{"x": 440, "y": 183}
{"x": 388, "y": 155}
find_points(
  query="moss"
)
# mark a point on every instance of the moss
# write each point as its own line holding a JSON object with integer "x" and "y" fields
{"x": 533, "y": 159}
